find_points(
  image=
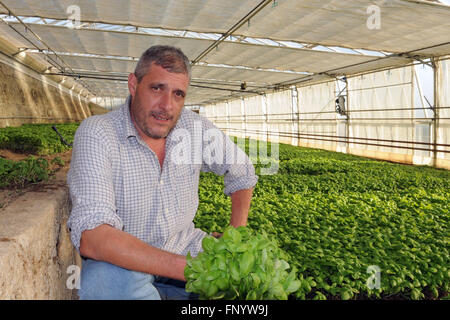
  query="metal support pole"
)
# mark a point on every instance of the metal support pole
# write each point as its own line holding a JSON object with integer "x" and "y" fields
{"x": 244, "y": 117}
{"x": 295, "y": 111}
{"x": 264, "y": 110}
{"x": 347, "y": 115}
{"x": 299, "y": 107}
{"x": 435, "y": 110}
{"x": 227, "y": 113}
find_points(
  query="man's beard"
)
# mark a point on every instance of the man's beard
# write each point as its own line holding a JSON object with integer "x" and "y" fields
{"x": 143, "y": 125}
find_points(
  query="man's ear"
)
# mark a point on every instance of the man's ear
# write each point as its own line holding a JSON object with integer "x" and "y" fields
{"x": 132, "y": 83}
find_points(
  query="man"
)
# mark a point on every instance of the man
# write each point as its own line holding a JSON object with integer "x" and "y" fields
{"x": 133, "y": 202}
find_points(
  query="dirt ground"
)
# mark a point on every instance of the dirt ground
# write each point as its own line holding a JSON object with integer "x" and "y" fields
{"x": 57, "y": 177}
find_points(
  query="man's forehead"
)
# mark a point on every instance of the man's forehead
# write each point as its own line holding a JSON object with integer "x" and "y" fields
{"x": 158, "y": 74}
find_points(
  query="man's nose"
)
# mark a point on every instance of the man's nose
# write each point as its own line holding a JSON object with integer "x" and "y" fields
{"x": 165, "y": 103}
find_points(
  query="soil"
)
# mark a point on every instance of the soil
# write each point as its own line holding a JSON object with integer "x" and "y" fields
{"x": 56, "y": 179}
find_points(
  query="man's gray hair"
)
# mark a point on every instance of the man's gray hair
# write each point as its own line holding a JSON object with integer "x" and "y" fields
{"x": 170, "y": 58}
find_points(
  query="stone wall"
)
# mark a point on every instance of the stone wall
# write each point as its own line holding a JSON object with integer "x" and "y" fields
{"x": 35, "y": 247}
{"x": 29, "y": 97}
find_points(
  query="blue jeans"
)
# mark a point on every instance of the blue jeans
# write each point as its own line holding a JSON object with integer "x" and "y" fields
{"x": 104, "y": 281}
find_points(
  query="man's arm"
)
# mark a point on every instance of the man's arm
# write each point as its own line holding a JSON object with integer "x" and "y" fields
{"x": 94, "y": 223}
{"x": 106, "y": 243}
{"x": 240, "y": 205}
{"x": 236, "y": 167}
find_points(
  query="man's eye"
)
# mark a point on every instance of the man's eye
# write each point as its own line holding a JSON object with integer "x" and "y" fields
{"x": 156, "y": 88}
{"x": 180, "y": 94}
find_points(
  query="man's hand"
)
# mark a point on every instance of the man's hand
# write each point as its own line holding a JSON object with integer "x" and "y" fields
{"x": 216, "y": 234}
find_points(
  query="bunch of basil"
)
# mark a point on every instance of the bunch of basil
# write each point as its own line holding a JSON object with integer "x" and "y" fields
{"x": 240, "y": 265}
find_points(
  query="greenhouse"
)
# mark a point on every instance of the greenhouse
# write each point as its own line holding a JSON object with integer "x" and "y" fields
{"x": 335, "y": 115}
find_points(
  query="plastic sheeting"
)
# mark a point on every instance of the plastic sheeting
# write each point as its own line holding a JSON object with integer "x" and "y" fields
{"x": 109, "y": 88}
{"x": 197, "y": 15}
{"x": 317, "y": 117}
{"x": 380, "y": 110}
{"x": 279, "y": 115}
{"x": 255, "y": 76}
{"x": 300, "y": 60}
{"x": 218, "y": 114}
{"x": 96, "y": 42}
{"x": 443, "y": 134}
{"x": 378, "y": 106}
{"x": 402, "y": 24}
{"x": 99, "y": 65}
{"x": 63, "y": 39}
{"x": 196, "y": 95}
{"x": 255, "y": 116}
{"x": 399, "y": 26}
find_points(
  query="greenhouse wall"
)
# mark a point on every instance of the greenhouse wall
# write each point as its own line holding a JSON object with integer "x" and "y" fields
{"x": 316, "y": 116}
{"x": 27, "y": 97}
{"x": 379, "y": 107}
{"x": 386, "y": 116}
{"x": 443, "y": 132}
{"x": 256, "y": 113}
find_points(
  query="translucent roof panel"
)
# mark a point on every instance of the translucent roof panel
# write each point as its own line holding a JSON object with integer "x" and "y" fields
{"x": 99, "y": 65}
{"x": 64, "y": 39}
{"x": 196, "y": 15}
{"x": 198, "y": 95}
{"x": 403, "y": 24}
{"x": 281, "y": 42}
{"x": 441, "y": 50}
{"x": 280, "y": 58}
{"x": 256, "y": 77}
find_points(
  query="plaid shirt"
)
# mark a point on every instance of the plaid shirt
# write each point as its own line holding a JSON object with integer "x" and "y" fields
{"x": 116, "y": 179}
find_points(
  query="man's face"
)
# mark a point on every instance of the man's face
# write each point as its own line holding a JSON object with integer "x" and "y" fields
{"x": 157, "y": 101}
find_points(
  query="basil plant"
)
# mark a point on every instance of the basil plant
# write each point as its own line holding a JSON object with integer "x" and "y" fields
{"x": 240, "y": 265}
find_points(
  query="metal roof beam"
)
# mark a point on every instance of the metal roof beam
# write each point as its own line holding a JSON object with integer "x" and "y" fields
{"x": 134, "y": 59}
{"x": 235, "y": 27}
{"x": 49, "y": 58}
{"x": 86, "y": 55}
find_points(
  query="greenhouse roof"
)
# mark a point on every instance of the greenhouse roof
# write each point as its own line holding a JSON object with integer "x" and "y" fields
{"x": 266, "y": 44}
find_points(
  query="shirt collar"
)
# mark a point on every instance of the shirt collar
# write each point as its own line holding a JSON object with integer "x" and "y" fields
{"x": 129, "y": 130}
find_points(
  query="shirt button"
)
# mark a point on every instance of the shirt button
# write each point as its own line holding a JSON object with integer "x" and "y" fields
{"x": 166, "y": 211}
{"x": 161, "y": 181}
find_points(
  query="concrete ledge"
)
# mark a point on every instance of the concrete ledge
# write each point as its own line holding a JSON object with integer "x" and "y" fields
{"x": 35, "y": 247}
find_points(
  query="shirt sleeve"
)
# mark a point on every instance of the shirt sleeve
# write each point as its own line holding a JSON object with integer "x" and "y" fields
{"x": 90, "y": 184}
{"x": 223, "y": 157}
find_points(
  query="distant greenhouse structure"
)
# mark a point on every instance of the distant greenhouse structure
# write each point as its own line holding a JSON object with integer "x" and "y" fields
{"x": 364, "y": 77}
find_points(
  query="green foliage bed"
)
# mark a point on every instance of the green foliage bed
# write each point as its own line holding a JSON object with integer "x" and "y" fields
{"x": 340, "y": 217}
{"x": 39, "y": 139}
{"x": 33, "y": 140}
